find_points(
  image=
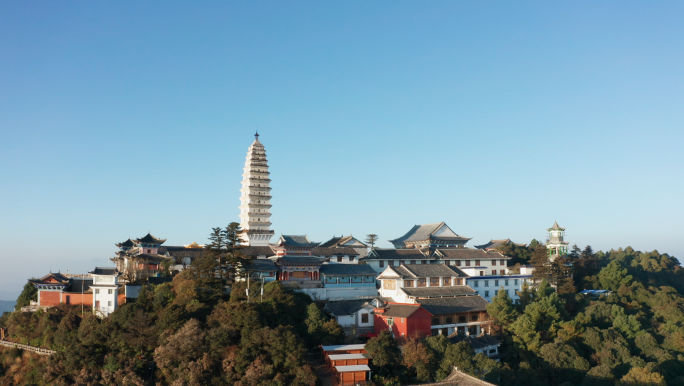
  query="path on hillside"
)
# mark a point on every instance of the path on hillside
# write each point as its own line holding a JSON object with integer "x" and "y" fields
{"x": 37, "y": 350}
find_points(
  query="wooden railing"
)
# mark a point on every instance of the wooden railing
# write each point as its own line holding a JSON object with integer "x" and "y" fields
{"x": 37, "y": 350}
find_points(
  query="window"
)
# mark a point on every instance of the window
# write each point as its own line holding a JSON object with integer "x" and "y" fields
{"x": 447, "y": 281}
{"x": 493, "y": 262}
{"x": 481, "y": 273}
{"x": 364, "y": 318}
{"x": 494, "y": 272}
{"x": 390, "y": 321}
{"x": 507, "y": 293}
{"x": 459, "y": 281}
{"x": 402, "y": 320}
{"x": 97, "y": 291}
{"x": 515, "y": 281}
{"x": 467, "y": 263}
{"x": 447, "y": 262}
{"x": 381, "y": 264}
{"x": 435, "y": 321}
{"x": 474, "y": 318}
{"x": 421, "y": 282}
{"x": 502, "y": 262}
{"x": 339, "y": 259}
{"x": 408, "y": 283}
{"x": 496, "y": 292}
{"x": 477, "y": 263}
{"x": 149, "y": 251}
{"x": 458, "y": 263}
{"x": 486, "y": 283}
{"x": 351, "y": 258}
{"x": 496, "y": 283}
{"x": 413, "y": 261}
{"x": 461, "y": 319}
{"x": 390, "y": 263}
{"x": 486, "y": 294}
{"x": 506, "y": 282}
{"x": 68, "y": 299}
{"x": 401, "y": 262}
{"x": 502, "y": 272}
{"x": 449, "y": 320}
{"x": 389, "y": 284}
{"x": 475, "y": 283}
{"x": 434, "y": 282}
{"x": 424, "y": 261}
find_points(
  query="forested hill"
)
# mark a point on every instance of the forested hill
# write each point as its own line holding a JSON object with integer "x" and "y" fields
{"x": 182, "y": 333}
{"x": 634, "y": 336}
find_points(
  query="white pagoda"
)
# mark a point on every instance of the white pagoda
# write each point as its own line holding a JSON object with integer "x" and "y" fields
{"x": 255, "y": 198}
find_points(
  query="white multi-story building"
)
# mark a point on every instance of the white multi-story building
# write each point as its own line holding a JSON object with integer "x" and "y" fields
{"x": 105, "y": 289}
{"x": 489, "y": 286}
{"x": 255, "y": 198}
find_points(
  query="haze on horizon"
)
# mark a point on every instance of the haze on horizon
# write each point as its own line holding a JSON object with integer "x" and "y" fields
{"x": 497, "y": 118}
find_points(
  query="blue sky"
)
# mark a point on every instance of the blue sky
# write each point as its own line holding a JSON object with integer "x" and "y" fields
{"x": 119, "y": 118}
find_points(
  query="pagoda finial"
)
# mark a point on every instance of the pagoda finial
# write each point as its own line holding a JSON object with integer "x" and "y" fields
{"x": 256, "y": 136}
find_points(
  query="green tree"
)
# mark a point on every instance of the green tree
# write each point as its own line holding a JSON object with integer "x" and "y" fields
{"x": 502, "y": 310}
{"x": 563, "y": 363}
{"x": 385, "y": 352}
{"x": 30, "y": 292}
{"x": 613, "y": 276}
{"x": 314, "y": 322}
{"x": 458, "y": 355}
{"x": 639, "y": 376}
{"x": 540, "y": 261}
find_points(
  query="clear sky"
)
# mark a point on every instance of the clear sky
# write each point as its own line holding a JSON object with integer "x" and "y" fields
{"x": 119, "y": 118}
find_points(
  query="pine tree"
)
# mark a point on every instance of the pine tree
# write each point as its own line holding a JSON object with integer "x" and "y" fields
{"x": 371, "y": 239}
{"x": 502, "y": 310}
{"x": 540, "y": 261}
{"x": 30, "y": 292}
{"x": 314, "y": 322}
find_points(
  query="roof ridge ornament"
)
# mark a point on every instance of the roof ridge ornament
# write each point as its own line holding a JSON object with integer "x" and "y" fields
{"x": 256, "y": 135}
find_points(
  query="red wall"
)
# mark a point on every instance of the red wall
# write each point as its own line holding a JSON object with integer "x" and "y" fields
{"x": 419, "y": 323}
{"x": 49, "y": 298}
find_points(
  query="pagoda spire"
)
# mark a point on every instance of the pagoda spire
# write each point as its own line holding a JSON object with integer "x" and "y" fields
{"x": 255, "y": 197}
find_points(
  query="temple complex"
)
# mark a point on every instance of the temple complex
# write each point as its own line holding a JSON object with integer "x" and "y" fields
{"x": 255, "y": 197}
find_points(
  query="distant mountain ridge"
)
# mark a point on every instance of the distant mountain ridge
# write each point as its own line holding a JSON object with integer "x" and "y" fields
{"x": 7, "y": 306}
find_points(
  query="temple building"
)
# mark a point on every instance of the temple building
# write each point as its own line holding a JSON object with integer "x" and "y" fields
{"x": 493, "y": 244}
{"x": 255, "y": 198}
{"x": 437, "y": 235}
{"x": 347, "y": 242}
{"x": 99, "y": 290}
{"x": 438, "y": 244}
{"x": 147, "y": 257}
{"x": 555, "y": 243}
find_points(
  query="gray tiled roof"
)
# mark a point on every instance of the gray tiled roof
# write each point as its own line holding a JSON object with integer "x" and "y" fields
{"x": 297, "y": 241}
{"x": 149, "y": 239}
{"x": 181, "y": 251}
{"x": 78, "y": 286}
{"x": 326, "y": 251}
{"x": 128, "y": 243}
{"x": 493, "y": 244}
{"x": 399, "y": 310}
{"x": 427, "y": 292}
{"x": 556, "y": 227}
{"x": 346, "y": 307}
{"x": 256, "y": 251}
{"x": 397, "y": 254}
{"x": 428, "y": 270}
{"x": 424, "y": 232}
{"x": 261, "y": 265}
{"x": 440, "y": 306}
{"x": 347, "y": 269}
{"x": 298, "y": 259}
{"x": 335, "y": 241}
{"x": 479, "y": 341}
{"x": 104, "y": 271}
{"x": 468, "y": 254}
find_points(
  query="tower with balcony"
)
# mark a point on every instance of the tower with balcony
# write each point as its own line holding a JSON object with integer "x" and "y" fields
{"x": 555, "y": 242}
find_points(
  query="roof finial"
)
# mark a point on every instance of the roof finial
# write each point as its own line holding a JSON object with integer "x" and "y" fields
{"x": 256, "y": 135}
